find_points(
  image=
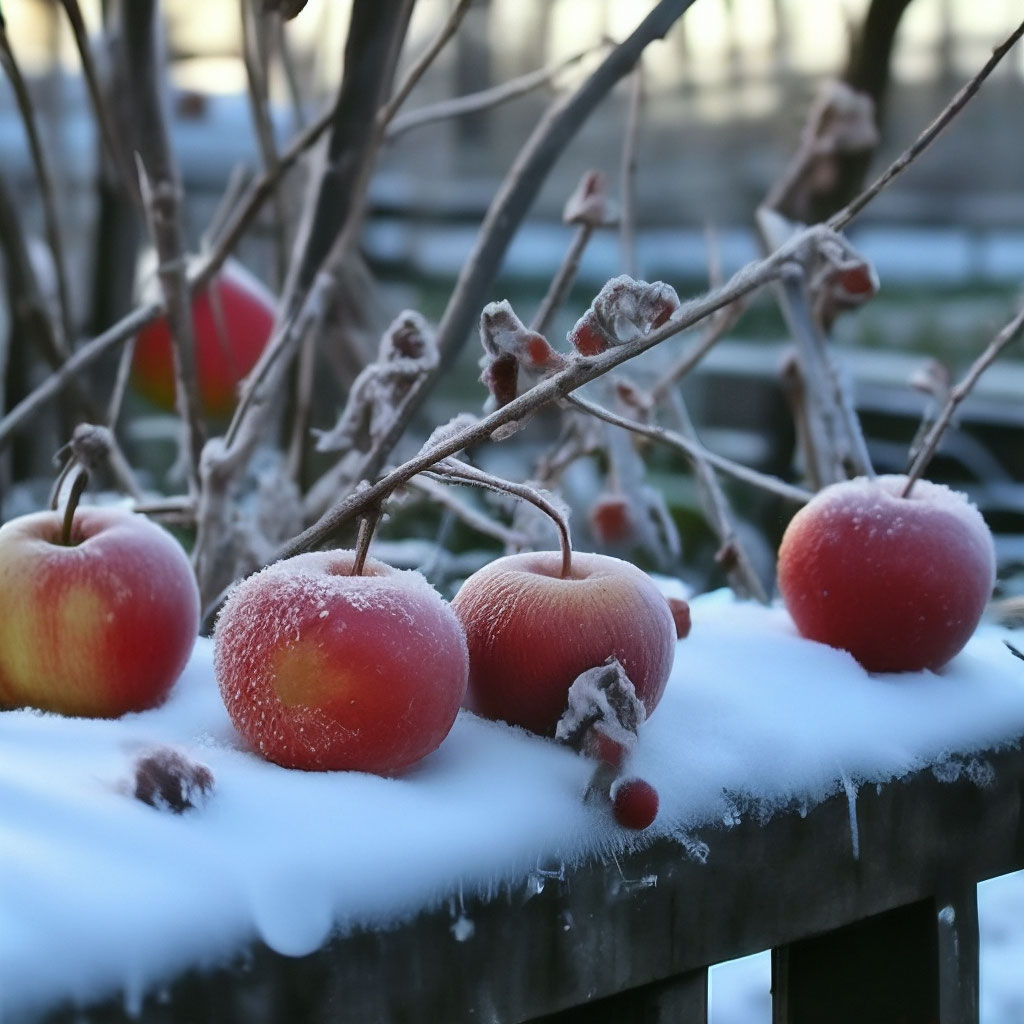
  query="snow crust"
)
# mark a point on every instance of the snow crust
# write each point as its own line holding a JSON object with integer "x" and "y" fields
{"x": 102, "y": 893}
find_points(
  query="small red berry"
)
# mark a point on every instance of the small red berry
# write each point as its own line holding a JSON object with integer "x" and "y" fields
{"x": 610, "y": 520}
{"x": 635, "y": 804}
{"x": 681, "y": 616}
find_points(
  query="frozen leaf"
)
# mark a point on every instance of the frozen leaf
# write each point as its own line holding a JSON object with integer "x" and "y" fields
{"x": 589, "y": 202}
{"x": 406, "y": 353}
{"x": 509, "y": 346}
{"x": 169, "y": 781}
{"x": 603, "y": 713}
{"x": 623, "y": 310}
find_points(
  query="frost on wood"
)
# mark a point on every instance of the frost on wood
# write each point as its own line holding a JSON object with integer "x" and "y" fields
{"x": 407, "y": 352}
{"x": 603, "y": 714}
{"x": 509, "y": 347}
{"x": 167, "y": 780}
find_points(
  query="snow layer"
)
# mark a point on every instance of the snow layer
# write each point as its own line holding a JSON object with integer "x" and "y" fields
{"x": 103, "y": 893}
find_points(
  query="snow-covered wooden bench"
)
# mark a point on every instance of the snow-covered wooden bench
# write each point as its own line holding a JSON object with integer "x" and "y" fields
{"x": 840, "y": 819}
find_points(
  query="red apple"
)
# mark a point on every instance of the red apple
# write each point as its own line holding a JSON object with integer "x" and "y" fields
{"x": 232, "y": 319}
{"x": 324, "y": 670}
{"x": 531, "y": 633}
{"x": 898, "y": 582}
{"x": 96, "y": 627}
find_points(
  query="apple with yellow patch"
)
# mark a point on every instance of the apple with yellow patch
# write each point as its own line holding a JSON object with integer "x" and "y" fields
{"x": 324, "y": 668}
{"x": 95, "y": 622}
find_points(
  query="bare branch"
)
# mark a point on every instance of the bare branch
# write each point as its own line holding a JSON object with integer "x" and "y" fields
{"x": 627, "y": 175}
{"x": 463, "y": 473}
{"x": 43, "y": 174}
{"x": 108, "y": 134}
{"x": 415, "y": 73}
{"x": 732, "y": 555}
{"x": 839, "y": 220}
{"x": 694, "y": 451}
{"x": 484, "y": 99}
{"x": 957, "y": 394}
{"x": 579, "y": 372}
{"x": 161, "y": 190}
{"x": 441, "y": 495}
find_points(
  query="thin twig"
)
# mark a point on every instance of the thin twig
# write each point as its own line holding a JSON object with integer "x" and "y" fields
{"x": 553, "y": 388}
{"x": 291, "y": 77}
{"x": 463, "y": 473}
{"x": 441, "y": 495}
{"x": 957, "y": 394}
{"x": 43, "y": 174}
{"x": 563, "y": 280}
{"x": 67, "y": 374}
{"x": 418, "y": 69}
{"x": 529, "y": 171}
{"x": 254, "y": 59}
{"x": 483, "y": 99}
{"x": 108, "y": 134}
{"x": 627, "y": 182}
{"x": 160, "y": 186}
{"x": 839, "y": 220}
{"x": 694, "y": 451}
{"x": 732, "y": 555}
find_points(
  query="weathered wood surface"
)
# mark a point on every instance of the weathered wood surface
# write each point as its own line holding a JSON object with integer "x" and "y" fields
{"x": 630, "y": 941}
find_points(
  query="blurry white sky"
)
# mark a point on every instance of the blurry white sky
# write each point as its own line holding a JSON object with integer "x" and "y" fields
{"x": 812, "y": 34}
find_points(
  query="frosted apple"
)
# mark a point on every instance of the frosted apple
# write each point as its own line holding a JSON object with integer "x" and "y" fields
{"x": 899, "y": 582}
{"x": 232, "y": 320}
{"x": 325, "y": 670}
{"x": 531, "y": 633}
{"x": 100, "y": 625}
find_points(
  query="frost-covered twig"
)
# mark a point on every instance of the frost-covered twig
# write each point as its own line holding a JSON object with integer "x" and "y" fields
{"x": 627, "y": 172}
{"x": 530, "y": 169}
{"x": 108, "y": 134}
{"x": 957, "y": 394}
{"x": 839, "y": 220}
{"x": 461, "y": 472}
{"x": 557, "y": 386}
{"x": 43, "y": 174}
{"x": 477, "y": 520}
{"x": 694, "y": 450}
{"x": 254, "y": 58}
{"x": 731, "y": 554}
{"x": 160, "y": 187}
{"x": 484, "y": 99}
{"x": 587, "y": 208}
{"x": 387, "y": 112}
{"x": 831, "y": 416}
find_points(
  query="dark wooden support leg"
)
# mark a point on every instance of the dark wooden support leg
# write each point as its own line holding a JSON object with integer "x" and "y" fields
{"x": 679, "y": 1000}
{"x": 916, "y": 964}
{"x": 957, "y": 918}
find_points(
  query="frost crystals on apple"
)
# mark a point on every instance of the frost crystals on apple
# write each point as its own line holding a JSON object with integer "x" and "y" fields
{"x": 169, "y": 781}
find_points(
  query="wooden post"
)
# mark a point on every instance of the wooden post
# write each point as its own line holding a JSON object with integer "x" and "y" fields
{"x": 917, "y": 964}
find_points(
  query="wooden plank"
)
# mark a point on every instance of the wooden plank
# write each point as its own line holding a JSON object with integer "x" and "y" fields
{"x": 679, "y": 1000}
{"x": 547, "y": 943}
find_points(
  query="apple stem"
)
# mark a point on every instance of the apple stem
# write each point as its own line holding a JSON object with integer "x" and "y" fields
{"x": 367, "y": 526}
{"x": 74, "y": 495}
{"x": 455, "y": 470}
